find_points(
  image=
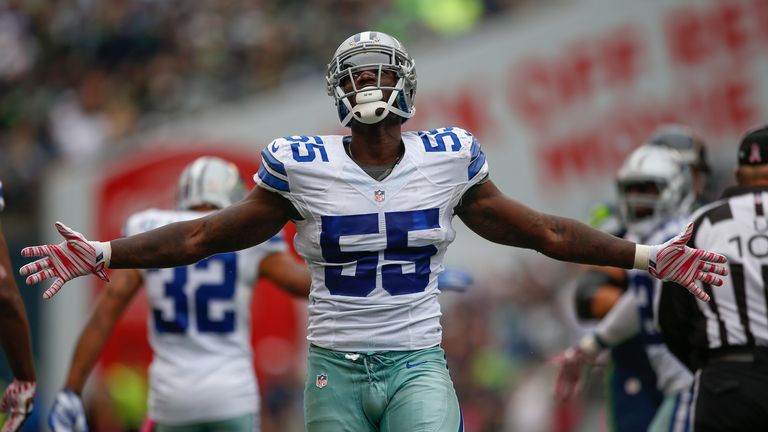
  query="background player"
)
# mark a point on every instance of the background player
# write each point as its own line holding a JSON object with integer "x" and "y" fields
{"x": 201, "y": 376}
{"x": 16, "y": 343}
{"x": 373, "y": 213}
{"x": 655, "y": 195}
{"x": 633, "y": 396}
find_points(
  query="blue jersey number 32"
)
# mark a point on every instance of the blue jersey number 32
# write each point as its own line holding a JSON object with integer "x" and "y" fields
{"x": 394, "y": 280}
{"x": 202, "y": 293}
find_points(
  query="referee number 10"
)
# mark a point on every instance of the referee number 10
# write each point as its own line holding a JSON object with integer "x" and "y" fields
{"x": 757, "y": 245}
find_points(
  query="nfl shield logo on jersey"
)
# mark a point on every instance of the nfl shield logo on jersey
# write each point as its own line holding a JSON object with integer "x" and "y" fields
{"x": 321, "y": 380}
{"x": 378, "y": 195}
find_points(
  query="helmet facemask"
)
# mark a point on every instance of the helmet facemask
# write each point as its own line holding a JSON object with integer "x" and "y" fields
{"x": 654, "y": 185}
{"x": 382, "y": 53}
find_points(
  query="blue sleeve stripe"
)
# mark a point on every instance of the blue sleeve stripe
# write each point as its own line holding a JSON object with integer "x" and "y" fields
{"x": 475, "y": 149}
{"x": 476, "y": 165}
{"x": 273, "y": 163}
{"x": 273, "y": 181}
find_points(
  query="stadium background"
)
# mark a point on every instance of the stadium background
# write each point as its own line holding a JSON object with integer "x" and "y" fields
{"x": 103, "y": 102}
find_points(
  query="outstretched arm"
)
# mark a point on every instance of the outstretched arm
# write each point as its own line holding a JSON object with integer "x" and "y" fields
{"x": 109, "y": 308}
{"x": 288, "y": 273}
{"x": 249, "y": 222}
{"x": 500, "y": 219}
{"x": 14, "y": 328}
{"x": 67, "y": 412}
{"x": 14, "y": 338}
{"x": 496, "y": 217}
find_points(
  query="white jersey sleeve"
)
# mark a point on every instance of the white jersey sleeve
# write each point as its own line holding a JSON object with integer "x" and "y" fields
{"x": 199, "y": 329}
{"x": 374, "y": 247}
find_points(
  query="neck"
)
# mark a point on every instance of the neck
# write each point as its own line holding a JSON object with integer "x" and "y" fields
{"x": 376, "y": 144}
{"x": 752, "y": 175}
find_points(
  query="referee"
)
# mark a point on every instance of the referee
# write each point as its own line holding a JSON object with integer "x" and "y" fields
{"x": 725, "y": 341}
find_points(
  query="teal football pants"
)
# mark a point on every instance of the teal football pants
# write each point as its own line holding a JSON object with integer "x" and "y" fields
{"x": 391, "y": 391}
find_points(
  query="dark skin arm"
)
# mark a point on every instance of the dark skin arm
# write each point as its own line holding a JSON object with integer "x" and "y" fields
{"x": 496, "y": 217}
{"x": 14, "y": 327}
{"x": 249, "y": 222}
{"x": 287, "y": 273}
{"x": 109, "y": 308}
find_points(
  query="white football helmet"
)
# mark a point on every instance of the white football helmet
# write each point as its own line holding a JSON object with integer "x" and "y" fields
{"x": 370, "y": 50}
{"x": 209, "y": 181}
{"x": 654, "y": 185}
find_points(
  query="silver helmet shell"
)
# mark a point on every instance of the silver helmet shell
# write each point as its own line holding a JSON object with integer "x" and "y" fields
{"x": 376, "y": 51}
{"x": 209, "y": 181}
{"x": 685, "y": 140}
{"x": 643, "y": 211}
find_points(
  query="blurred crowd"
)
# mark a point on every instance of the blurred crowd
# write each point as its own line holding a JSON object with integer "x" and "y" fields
{"x": 78, "y": 76}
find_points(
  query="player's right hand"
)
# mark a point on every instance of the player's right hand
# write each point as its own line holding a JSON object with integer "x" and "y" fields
{"x": 75, "y": 256}
{"x": 67, "y": 413}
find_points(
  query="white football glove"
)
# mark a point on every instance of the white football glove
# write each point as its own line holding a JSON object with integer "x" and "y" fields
{"x": 75, "y": 256}
{"x": 67, "y": 413}
{"x": 675, "y": 262}
{"x": 17, "y": 402}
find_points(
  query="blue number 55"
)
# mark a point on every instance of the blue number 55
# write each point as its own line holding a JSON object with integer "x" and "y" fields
{"x": 363, "y": 265}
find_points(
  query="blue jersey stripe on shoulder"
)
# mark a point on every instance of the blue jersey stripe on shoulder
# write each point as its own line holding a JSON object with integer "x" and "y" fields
{"x": 272, "y": 180}
{"x": 273, "y": 163}
{"x": 477, "y": 161}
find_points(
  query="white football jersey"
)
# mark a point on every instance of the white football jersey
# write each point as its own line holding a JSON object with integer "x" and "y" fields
{"x": 199, "y": 329}
{"x": 671, "y": 375}
{"x": 375, "y": 248}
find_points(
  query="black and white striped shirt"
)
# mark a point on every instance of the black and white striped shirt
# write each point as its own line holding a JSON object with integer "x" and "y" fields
{"x": 737, "y": 315}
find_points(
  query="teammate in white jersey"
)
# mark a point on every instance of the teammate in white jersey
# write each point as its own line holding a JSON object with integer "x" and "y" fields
{"x": 373, "y": 212}
{"x": 201, "y": 376}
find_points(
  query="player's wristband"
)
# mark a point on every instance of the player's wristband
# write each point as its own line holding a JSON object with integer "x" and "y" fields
{"x": 106, "y": 248}
{"x": 642, "y": 257}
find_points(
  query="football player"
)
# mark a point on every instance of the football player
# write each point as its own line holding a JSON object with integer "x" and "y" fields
{"x": 373, "y": 212}
{"x": 16, "y": 343}
{"x": 201, "y": 376}
{"x": 656, "y": 196}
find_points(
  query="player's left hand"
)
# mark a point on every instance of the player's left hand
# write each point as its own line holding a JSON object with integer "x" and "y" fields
{"x": 674, "y": 261}
{"x": 17, "y": 402}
